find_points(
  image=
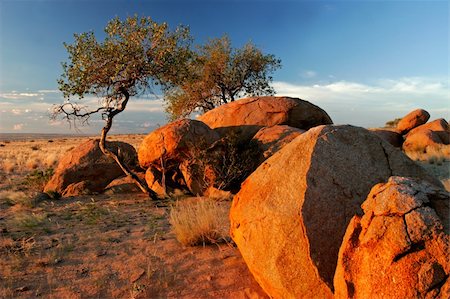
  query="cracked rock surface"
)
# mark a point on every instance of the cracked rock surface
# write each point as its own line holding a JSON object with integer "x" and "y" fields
{"x": 399, "y": 247}
{"x": 291, "y": 214}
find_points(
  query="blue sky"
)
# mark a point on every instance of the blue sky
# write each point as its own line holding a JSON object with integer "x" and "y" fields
{"x": 364, "y": 62}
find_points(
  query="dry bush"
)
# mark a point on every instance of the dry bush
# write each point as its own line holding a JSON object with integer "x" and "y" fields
{"x": 200, "y": 221}
{"x": 12, "y": 198}
{"x": 433, "y": 154}
{"x": 8, "y": 166}
{"x": 230, "y": 159}
{"x": 37, "y": 179}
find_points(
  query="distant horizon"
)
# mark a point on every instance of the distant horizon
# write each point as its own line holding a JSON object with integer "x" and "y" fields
{"x": 363, "y": 62}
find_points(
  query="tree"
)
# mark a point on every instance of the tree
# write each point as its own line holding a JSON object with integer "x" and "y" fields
{"x": 135, "y": 55}
{"x": 217, "y": 74}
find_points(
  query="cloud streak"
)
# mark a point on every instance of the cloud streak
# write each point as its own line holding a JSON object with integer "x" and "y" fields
{"x": 373, "y": 104}
{"x": 356, "y": 103}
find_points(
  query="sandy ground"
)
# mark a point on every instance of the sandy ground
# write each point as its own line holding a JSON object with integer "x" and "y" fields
{"x": 106, "y": 246}
{"x": 116, "y": 246}
{"x": 103, "y": 246}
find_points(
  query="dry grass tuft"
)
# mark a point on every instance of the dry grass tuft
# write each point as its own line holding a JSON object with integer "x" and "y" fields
{"x": 433, "y": 155}
{"x": 12, "y": 198}
{"x": 200, "y": 221}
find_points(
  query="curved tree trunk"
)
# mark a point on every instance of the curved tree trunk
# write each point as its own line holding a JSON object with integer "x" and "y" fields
{"x": 142, "y": 185}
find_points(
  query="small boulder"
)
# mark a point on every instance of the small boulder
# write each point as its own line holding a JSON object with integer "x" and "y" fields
{"x": 272, "y": 139}
{"x": 439, "y": 124}
{"x": 413, "y": 119}
{"x": 87, "y": 167}
{"x": 290, "y": 216}
{"x": 422, "y": 139}
{"x": 246, "y": 116}
{"x": 173, "y": 142}
{"x": 391, "y": 136}
{"x": 79, "y": 188}
{"x": 124, "y": 184}
{"x": 398, "y": 248}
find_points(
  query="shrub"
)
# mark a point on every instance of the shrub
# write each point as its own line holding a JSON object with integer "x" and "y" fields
{"x": 200, "y": 221}
{"x": 12, "y": 198}
{"x": 231, "y": 159}
{"x": 392, "y": 123}
{"x": 37, "y": 179}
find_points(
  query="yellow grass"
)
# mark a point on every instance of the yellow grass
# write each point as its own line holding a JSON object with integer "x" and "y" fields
{"x": 433, "y": 154}
{"x": 19, "y": 157}
{"x": 200, "y": 221}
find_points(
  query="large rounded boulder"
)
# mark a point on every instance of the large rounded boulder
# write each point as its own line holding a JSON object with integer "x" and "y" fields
{"x": 247, "y": 116}
{"x": 290, "y": 216}
{"x": 413, "y": 119}
{"x": 173, "y": 142}
{"x": 399, "y": 247}
{"x": 271, "y": 139}
{"x": 86, "y": 169}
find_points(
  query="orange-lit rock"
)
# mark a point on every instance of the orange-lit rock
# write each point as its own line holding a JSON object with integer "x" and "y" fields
{"x": 291, "y": 214}
{"x": 87, "y": 163}
{"x": 421, "y": 140}
{"x": 439, "y": 124}
{"x": 399, "y": 248}
{"x": 413, "y": 119}
{"x": 246, "y": 116}
{"x": 172, "y": 142}
{"x": 272, "y": 139}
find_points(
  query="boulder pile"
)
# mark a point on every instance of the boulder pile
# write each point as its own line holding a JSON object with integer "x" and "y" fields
{"x": 222, "y": 147}
{"x": 290, "y": 216}
{"x": 414, "y": 134}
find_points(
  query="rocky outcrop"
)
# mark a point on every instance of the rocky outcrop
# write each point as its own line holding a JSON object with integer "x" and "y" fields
{"x": 245, "y": 117}
{"x": 424, "y": 138}
{"x": 271, "y": 139}
{"x": 398, "y": 249}
{"x": 172, "y": 143}
{"x": 391, "y": 136}
{"x": 432, "y": 134}
{"x": 86, "y": 169}
{"x": 413, "y": 119}
{"x": 438, "y": 125}
{"x": 290, "y": 216}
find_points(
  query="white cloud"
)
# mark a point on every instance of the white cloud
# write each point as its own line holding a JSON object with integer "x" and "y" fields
{"x": 309, "y": 74}
{"x": 18, "y": 127}
{"x": 373, "y": 104}
{"x": 48, "y": 91}
{"x": 146, "y": 125}
{"x": 146, "y": 105}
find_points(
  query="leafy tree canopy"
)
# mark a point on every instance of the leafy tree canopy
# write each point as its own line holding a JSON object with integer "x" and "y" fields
{"x": 218, "y": 74}
{"x": 135, "y": 55}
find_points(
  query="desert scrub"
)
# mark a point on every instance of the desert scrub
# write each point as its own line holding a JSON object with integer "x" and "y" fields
{"x": 37, "y": 179}
{"x": 231, "y": 159}
{"x": 200, "y": 221}
{"x": 12, "y": 198}
{"x": 433, "y": 154}
{"x": 28, "y": 224}
{"x": 91, "y": 213}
